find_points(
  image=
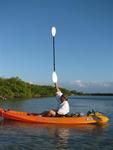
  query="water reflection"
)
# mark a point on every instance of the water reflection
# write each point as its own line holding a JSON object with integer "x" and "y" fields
{"x": 59, "y": 137}
{"x": 78, "y": 128}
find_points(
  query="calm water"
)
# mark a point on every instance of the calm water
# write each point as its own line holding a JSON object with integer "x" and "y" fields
{"x": 26, "y": 136}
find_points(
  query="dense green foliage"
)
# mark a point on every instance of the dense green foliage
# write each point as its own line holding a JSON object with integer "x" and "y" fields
{"x": 16, "y": 88}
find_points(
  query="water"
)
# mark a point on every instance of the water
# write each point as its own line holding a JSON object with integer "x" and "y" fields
{"x": 16, "y": 135}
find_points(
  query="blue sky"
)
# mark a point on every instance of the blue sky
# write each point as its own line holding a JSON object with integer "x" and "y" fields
{"x": 84, "y": 42}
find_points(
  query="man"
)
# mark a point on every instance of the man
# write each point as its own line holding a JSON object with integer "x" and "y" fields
{"x": 63, "y": 105}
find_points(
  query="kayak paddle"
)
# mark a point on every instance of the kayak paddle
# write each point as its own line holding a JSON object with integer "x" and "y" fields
{"x": 54, "y": 75}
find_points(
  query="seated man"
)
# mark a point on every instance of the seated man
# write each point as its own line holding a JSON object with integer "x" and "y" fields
{"x": 63, "y": 105}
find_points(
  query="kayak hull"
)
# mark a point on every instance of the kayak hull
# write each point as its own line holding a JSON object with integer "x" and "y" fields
{"x": 35, "y": 118}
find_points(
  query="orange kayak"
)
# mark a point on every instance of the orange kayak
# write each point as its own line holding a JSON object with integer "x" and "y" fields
{"x": 98, "y": 118}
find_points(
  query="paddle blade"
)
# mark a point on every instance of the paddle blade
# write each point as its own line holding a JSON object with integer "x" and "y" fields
{"x": 54, "y": 77}
{"x": 53, "y": 31}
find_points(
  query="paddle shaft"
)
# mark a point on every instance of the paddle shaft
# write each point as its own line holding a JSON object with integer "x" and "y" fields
{"x": 54, "y": 67}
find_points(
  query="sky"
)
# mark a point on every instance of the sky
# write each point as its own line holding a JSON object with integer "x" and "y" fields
{"x": 84, "y": 42}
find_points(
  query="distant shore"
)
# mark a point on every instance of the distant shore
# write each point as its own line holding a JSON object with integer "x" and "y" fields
{"x": 16, "y": 88}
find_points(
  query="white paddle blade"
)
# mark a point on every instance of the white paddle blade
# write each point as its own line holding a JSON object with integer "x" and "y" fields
{"x": 53, "y": 31}
{"x": 54, "y": 77}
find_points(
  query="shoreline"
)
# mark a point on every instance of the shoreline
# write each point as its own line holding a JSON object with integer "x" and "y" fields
{"x": 5, "y": 98}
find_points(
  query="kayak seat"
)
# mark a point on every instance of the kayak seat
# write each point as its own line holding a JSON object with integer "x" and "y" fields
{"x": 32, "y": 114}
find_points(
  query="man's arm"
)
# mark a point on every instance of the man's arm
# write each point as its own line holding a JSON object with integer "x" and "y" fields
{"x": 57, "y": 88}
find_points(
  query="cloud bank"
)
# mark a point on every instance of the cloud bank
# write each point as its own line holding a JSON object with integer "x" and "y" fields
{"x": 92, "y": 86}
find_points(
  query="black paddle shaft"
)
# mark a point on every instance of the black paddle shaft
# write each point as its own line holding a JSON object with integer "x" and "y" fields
{"x": 54, "y": 54}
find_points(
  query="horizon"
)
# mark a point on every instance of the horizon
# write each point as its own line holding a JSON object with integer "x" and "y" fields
{"x": 84, "y": 42}
{"x": 63, "y": 85}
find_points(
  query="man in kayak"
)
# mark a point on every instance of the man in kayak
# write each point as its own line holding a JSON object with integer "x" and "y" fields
{"x": 63, "y": 105}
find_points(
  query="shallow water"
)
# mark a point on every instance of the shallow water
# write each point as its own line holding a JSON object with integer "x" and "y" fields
{"x": 16, "y": 135}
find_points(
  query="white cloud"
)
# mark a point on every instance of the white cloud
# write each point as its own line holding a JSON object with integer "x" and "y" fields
{"x": 79, "y": 83}
{"x": 91, "y": 86}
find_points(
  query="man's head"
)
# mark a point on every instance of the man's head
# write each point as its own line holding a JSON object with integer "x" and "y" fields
{"x": 63, "y": 98}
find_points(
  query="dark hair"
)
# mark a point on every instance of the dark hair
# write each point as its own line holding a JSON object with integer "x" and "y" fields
{"x": 64, "y": 98}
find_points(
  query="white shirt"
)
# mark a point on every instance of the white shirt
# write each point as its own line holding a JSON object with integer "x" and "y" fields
{"x": 63, "y": 108}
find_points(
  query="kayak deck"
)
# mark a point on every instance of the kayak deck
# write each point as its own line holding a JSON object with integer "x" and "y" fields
{"x": 36, "y": 118}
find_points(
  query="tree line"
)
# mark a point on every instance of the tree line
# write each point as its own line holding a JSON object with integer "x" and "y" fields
{"x": 14, "y": 87}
